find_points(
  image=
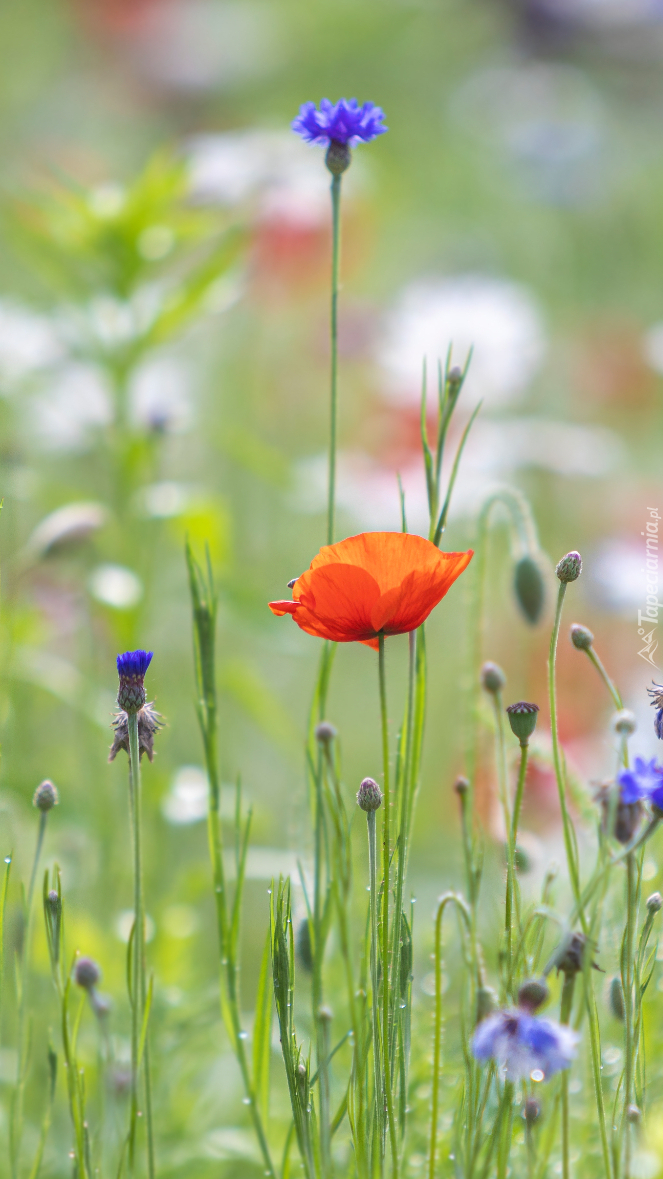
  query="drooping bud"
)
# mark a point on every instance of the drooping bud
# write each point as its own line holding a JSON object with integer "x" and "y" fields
{"x": 581, "y": 637}
{"x": 531, "y": 1110}
{"x": 655, "y": 902}
{"x": 522, "y": 718}
{"x": 624, "y": 722}
{"x": 617, "y": 998}
{"x": 325, "y": 733}
{"x": 529, "y": 587}
{"x": 86, "y": 973}
{"x": 493, "y": 678}
{"x": 369, "y": 795}
{"x": 131, "y": 668}
{"x": 45, "y": 796}
{"x": 338, "y": 157}
{"x": 533, "y": 994}
{"x": 569, "y": 568}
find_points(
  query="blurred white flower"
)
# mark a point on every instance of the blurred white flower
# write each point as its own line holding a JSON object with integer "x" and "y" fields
{"x": 653, "y": 347}
{"x": 28, "y": 343}
{"x": 67, "y": 525}
{"x": 163, "y": 501}
{"x": 186, "y": 801}
{"x": 617, "y": 574}
{"x": 499, "y": 320}
{"x": 72, "y": 402}
{"x": 180, "y": 921}
{"x": 115, "y": 586}
{"x": 161, "y": 395}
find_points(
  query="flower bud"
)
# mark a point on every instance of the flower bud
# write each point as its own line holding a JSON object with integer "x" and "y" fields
{"x": 487, "y": 1002}
{"x": 455, "y": 380}
{"x": 529, "y": 588}
{"x": 533, "y": 994}
{"x": 571, "y": 955}
{"x": 633, "y": 1114}
{"x": 325, "y": 1014}
{"x": 522, "y": 718}
{"x": 461, "y": 786}
{"x": 624, "y": 722}
{"x": 369, "y": 795}
{"x": 655, "y": 902}
{"x": 581, "y": 637}
{"x": 569, "y": 568}
{"x": 338, "y": 157}
{"x": 617, "y": 998}
{"x": 86, "y": 973}
{"x": 493, "y": 678}
{"x": 131, "y": 668}
{"x": 531, "y": 1111}
{"x": 325, "y": 733}
{"x": 45, "y": 796}
{"x": 54, "y": 903}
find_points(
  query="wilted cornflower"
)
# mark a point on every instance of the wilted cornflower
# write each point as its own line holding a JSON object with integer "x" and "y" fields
{"x": 524, "y": 1045}
{"x": 657, "y": 702}
{"x": 645, "y": 781}
{"x": 149, "y": 723}
{"x": 131, "y": 668}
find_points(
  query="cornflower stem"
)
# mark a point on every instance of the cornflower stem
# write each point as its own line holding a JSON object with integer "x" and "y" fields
{"x": 16, "y": 1131}
{"x": 386, "y": 858}
{"x": 375, "y": 1008}
{"x": 319, "y": 1016}
{"x": 138, "y": 960}
{"x": 336, "y": 254}
{"x": 612, "y": 688}
{"x": 631, "y": 918}
{"x": 448, "y": 898}
{"x": 557, "y": 758}
{"x": 511, "y": 864}
{"x": 503, "y": 790}
{"x": 565, "y": 1017}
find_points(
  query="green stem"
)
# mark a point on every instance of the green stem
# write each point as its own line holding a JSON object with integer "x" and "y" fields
{"x": 386, "y": 859}
{"x": 565, "y": 1016}
{"x": 511, "y": 866}
{"x": 448, "y": 898}
{"x": 336, "y": 252}
{"x": 557, "y": 758}
{"x": 372, "y": 873}
{"x": 631, "y": 917}
{"x": 617, "y": 700}
{"x": 138, "y": 958}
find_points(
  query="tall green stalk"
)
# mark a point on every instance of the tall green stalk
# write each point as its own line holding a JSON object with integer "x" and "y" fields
{"x": 333, "y": 405}
{"x": 386, "y": 867}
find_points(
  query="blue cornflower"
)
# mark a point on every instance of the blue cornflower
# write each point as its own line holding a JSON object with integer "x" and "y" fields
{"x": 343, "y": 122}
{"x": 524, "y": 1045}
{"x": 657, "y": 702}
{"x": 645, "y": 781}
{"x": 131, "y": 668}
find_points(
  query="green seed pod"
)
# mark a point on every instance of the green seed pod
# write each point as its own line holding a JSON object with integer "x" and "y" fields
{"x": 522, "y": 718}
{"x": 529, "y": 588}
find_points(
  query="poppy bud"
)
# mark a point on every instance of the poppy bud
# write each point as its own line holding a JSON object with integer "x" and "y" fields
{"x": 531, "y": 1111}
{"x": 617, "y": 998}
{"x": 529, "y": 588}
{"x": 522, "y": 718}
{"x": 633, "y": 1113}
{"x": 533, "y": 994}
{"x": 86, "y": 973}
{"x": 338, "y": 157}
{"x": 461, "y": 786}
{"x": 486, "y": 1002}
{"x": 325, "y": 733}
{"x": 624, "y": 722}
{"x": 325, "y": 1014}
{"x": 493, "y": 678}
{"x": 569, "y": 568}
{"x": 45, "y": 796}
{"x": 655, "y": 902}
{"x": 369, "y": 795}
{"x": 581, "y": 637}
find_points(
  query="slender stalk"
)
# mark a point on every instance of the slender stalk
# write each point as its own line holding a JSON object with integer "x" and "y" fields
{"x": 564, "y": 1016}
{"x": 16, "y": 1129}
{"x": 372, "y": 873}
{"x": 336, "y": 253}
{"x": 138, "y": 957}
{"x": 631, "y": 917}
{"x": 448, "y": 898}
{"x": 557, "y": 757}
{"x": 386, "y": 859}
{"x": 612, "y": 688}
{"x": 511, "y": 865}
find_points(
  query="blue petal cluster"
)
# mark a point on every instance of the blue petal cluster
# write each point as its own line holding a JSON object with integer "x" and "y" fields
{"x": 342, "y": 122}
{"x": 645, "y": 781}
{"x": 522, "y": 1044}
{"x": 133, "y": 664}
{"x": 657, "y": 702}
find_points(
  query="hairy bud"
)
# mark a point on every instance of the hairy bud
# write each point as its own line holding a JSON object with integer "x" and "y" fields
{"x": 493, "y": 678}
{"x": 533, "y": 994}
{"x": 86, "y": 973}
{"x": 369, "y": 795}
{"x": 655, "y": 902}
{"x": 325, "y": 733}
{"x": 570, "y": 567}
{"x": 581, "y": 637}
{"x": 45, "y": 796}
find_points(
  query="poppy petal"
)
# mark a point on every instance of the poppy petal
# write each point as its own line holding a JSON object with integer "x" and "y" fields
{"x": 281, "y": 608}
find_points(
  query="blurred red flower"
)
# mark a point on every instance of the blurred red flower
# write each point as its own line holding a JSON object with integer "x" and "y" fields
{"x": 377, "y": 582}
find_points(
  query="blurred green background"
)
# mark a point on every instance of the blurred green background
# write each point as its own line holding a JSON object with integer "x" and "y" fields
{"x": 164, "y": 259}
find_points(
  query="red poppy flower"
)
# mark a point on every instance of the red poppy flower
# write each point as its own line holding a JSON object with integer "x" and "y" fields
{"x": 377, "y": 582}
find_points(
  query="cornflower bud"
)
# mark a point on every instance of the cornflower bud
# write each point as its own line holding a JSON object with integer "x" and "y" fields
{"x": 531, "y": 1111}
{"x": 369, "y": 795}
{"x": 569, "y": 568}
{"x": 493, "y": 678}
{"x": 461, "y": 786}
{"x": 86, "y": 973}
{"x": 633, "y": 1114}
{"x": 325, "y": 733}
{"x": 533, "y": 994}
{"x": 581, "y": 637}
{"x": 624, "y": 722}
{"x": 522, "y": 718}
{"x": 529, "y": 588}
{"x": 655, "y": 902}
{"x": 325, "y": 1014}
{"x": 45, "y": 796}
{"x": 54, "y": 902}
{"x": 131, "y": 668}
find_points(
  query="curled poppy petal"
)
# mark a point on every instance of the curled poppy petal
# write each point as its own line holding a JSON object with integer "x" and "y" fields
{"x": 371, "y": 584}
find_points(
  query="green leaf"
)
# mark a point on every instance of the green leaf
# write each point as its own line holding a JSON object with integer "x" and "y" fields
{"x": 262, "y": 1031}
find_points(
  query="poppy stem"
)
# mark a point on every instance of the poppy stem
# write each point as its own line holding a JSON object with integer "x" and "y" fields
{"x": 386, "y": 854}
{"x": 336, "y": 254}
